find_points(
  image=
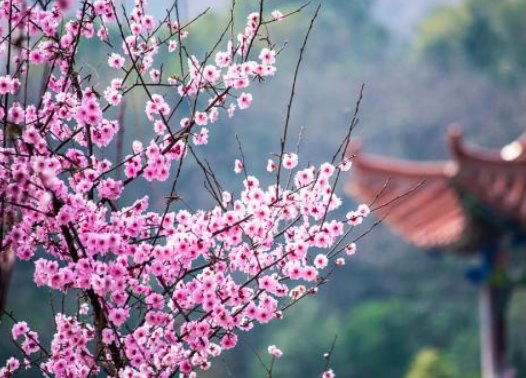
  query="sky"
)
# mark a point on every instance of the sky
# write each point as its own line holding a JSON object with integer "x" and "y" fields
{"x": 408, "y": 12}
{"x": 193, "y": 7}
{"x": 190, "y": 7}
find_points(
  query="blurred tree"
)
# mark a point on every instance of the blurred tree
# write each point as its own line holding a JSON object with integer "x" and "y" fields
{"x": 517, "y": 332}
{"x": 378, "y": 340}
{"x": 304, "y": 335}
{"x": 485, "y": 35}
{"x": 429, "y": 364}
{"x": 375, "y": 339}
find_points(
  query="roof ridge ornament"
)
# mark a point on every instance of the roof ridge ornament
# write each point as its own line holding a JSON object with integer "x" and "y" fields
{"x": 516, "y": 150}
{"x": 455, "y": 139}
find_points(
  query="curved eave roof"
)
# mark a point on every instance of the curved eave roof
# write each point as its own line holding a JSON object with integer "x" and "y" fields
{"x": 433, "y": 215}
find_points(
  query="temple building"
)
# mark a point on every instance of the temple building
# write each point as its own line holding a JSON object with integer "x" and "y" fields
{"x": 469, "y": 205}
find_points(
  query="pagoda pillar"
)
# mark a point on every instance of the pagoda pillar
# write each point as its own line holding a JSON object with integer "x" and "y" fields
{"x": 493, "y": 330}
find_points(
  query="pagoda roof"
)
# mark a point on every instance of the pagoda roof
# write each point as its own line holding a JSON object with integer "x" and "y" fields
{"x": 424, "y": 202}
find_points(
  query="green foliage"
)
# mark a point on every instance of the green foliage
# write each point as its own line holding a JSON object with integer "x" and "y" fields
{"x": 304, "y": 335}
{"x": 375, "y": 339}
{"x": 517, "y": 332}
{"x": 483, "y": 35}
{"x": 429, "y": 364}
{"x": 378, "y": 337}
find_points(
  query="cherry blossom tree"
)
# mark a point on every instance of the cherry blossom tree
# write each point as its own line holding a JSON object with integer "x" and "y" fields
{"x": 158, "y": 293}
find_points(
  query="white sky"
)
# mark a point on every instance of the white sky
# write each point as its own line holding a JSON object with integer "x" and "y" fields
{"x": 193, "y": 7}
{"x": 408, "y": 12}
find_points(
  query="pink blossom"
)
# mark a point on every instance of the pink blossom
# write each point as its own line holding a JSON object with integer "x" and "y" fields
{"x": 172, "y": 45}
{"x": 244, "y": 100}
{"x": 6, "y": 85}
{"x": 354, "y": 218}
{"x": 231, "y": 110}
{"x": 238, "y": 166}
{"x": 223, "y": 59}
{"x": 201, "y": 138}
{"x": 36, "y": 57}
{"x": 271, "y": 165}
{"x": 19, "y": 329}
{"x": 340, "y": 261}
{"x": 345, "y": 165}
{"x": 116, "y": 61}
{"x": 290, "y": 161}
{"x": 229, "y": 341}
{"x": 201, "y": 118}
{"x": 277, "y": 15}
{"x": 162, "y": 289}
{"x": 363, "y": 210}
{"x": 276, "y": 352}
{"x": 118, "y": 316}
{"x": 326, "y": 170}
{"x": 12, "y": 364}
{"x": 267, "y": 56}
{"x": 351, "y": 249}
{"x": 113, "y": 97}
{"x": 321, "y": 261}
{"x": 211, "y": 74}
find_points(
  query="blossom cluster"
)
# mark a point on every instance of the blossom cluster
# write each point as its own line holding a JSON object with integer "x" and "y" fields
{"x": 160, "y": 293}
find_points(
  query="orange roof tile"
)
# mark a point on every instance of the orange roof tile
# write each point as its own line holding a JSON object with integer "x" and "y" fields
{"x": 434, "y": 215}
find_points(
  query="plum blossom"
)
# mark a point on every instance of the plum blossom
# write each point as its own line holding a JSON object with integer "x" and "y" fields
{"x": 172, "y": 45}
{"x": 158, "y": 293}
{"x": 363, "y": 210}
{"x": 267, "y": 56}
{"x": 244, "y": 100}
{"x": 19, "y": 329}
{"x": 350, "y": 249}
{"x": 271, "y": 165}
{"x": 238, "y": 166}
{"x": 290, "y": 161}
{"x": 116, "y": 61}
{"x": 321, "y": 261}
{"x": 276, "y": 352}
{"x": 8, "y": 85}
{"x": 345, "y": 165}
{"x": 354, "y": 218}
{"x": 277, "y": 15}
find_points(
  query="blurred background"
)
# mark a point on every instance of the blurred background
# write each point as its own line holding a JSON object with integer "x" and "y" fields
{"x": 398, "y": 311}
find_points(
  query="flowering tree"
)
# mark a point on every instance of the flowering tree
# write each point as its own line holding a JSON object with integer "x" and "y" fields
{"x": 158, "y": 293}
